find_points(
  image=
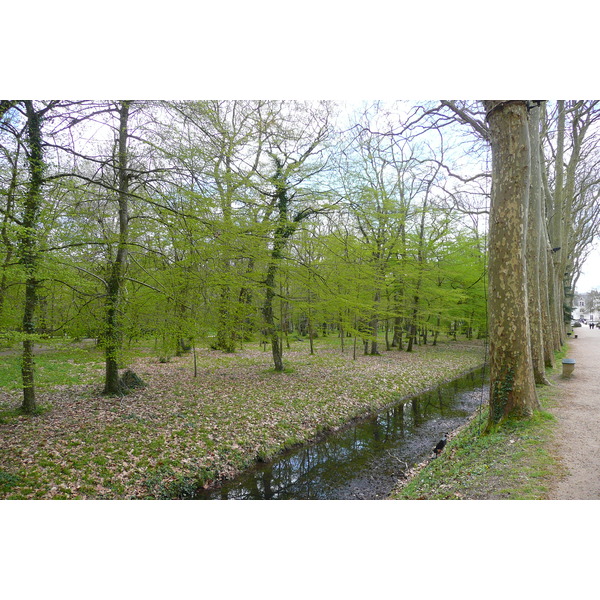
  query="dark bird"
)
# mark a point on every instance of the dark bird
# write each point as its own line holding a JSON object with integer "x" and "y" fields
{"x": 440, "y": 445}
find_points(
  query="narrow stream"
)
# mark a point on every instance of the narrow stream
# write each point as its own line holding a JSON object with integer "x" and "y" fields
{"x": 365, "y": 460}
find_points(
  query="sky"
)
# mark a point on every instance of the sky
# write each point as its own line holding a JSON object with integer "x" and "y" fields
{"x": 590, "y": 272}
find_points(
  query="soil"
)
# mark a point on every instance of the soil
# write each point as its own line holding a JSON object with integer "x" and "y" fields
{"x": 578, "y": 414}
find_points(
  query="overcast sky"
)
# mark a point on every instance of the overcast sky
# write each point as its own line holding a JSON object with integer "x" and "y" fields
{"x": 590, "y": 275}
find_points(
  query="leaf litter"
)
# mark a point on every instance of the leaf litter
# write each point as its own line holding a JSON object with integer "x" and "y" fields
{"x": 182, "y": 429}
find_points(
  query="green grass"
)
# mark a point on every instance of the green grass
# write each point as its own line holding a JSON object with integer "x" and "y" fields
{"x": 7, "y": 481}
{"x": 62, "y": 365}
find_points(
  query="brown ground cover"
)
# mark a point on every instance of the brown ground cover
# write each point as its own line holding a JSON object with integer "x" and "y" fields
{"x": 183, "y": 431}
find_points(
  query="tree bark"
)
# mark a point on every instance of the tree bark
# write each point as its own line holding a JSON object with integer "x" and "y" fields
{"x": 112, "y": 384}
{"x": 512, "y": 385}
{"x": 557, "y": 230}
{"x": 420, "y": 266}
{"x": 29, "y": 252}
{"x": 537, "y": 316}
{"x": 374, "y": 324}
{"x": 282, "y": 232}
{"x": 268, "y": 313}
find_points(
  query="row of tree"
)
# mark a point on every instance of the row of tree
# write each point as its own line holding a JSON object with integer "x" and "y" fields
{"x": 237, "y": 219}
{"x": 544, "y": 214}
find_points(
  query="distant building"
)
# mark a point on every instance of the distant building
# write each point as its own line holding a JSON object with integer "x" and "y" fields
{"x": 586, "y": 306}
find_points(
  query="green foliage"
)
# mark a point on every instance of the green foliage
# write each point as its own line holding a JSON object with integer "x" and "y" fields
{"x": 198, "y": 253}
{"x": 163, "y": 483}
{"x": 7, "y": 481}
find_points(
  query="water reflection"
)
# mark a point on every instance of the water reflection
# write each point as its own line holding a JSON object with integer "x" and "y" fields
{"x": 365, "y": 460}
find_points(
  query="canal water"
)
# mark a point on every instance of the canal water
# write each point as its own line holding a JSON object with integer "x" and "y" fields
{"x": 366, "y": 459}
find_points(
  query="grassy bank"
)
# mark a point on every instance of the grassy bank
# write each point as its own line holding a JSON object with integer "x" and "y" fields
{"x": 514, "y": 462}
{"x": 183, "y": 431}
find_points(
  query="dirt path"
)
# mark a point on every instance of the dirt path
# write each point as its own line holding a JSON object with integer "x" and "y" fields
{"x": 578, "y": 413}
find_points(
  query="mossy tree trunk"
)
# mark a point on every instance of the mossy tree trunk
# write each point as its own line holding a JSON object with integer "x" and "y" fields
{"x": 284, "y": 230}
{"x": 29, "y": 251}
{"x": 112, "y": 385}
{"x": 512, "y": 384}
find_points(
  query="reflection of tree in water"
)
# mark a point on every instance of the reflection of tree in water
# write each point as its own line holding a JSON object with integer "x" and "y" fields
{"x": 319, "y": 470}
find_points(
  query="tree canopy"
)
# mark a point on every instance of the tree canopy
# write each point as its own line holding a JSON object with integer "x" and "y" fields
{"x": 230, "y": 220}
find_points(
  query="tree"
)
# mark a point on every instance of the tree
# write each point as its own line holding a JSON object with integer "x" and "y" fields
{"x": 379, "y": 185}
{"x": 536, "y": 256}
{"x": 29, "y": 233}
{"x": 512, "y": 384}
{"x": 29, "y": 248}
{"x": 227, "y": 143}
{"x": 284, "y": 230}
{"x": 293, "y": 150}
{"x": 571, "y": 171}
{"x": 115, "y": 281}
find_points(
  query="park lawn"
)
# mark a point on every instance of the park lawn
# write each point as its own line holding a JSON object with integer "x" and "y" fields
{"x": 182, "y": 432}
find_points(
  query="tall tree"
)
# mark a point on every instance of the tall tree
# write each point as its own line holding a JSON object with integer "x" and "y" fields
{"x": 115, "y": 281}
{"x": 29, "y": 248}
{"x": 536, "y": 250}
{"x": 512, "y": 384}
{"x": 286, "y": 225}
{"x": 294, "y": 153}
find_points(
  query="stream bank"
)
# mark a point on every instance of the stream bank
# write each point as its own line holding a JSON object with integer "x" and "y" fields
{"x": 365, "y": 459}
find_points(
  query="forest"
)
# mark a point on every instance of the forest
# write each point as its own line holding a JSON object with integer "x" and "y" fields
{"x": 214, "y": 226}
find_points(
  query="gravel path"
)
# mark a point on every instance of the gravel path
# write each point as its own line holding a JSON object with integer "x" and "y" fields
{"x": 578, "y": 413}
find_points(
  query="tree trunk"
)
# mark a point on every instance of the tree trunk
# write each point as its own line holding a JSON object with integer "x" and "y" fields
{"x": 412, "y": 332}
{"x": 549, "y": 335}
{"x": 398, "y": 332}
{"x": 553, "y": 341}
{"x": 534, "y": 251}
{"x": 420, "y": 263}
{"x": 112, "y": 384}
{"x": 374, "y": 325}
{"x": 512, "y": 385}
{"x": 226, "y": 326}
{"x": 556, "y": 228}
{"x": 29, "y": 252}
{"x": 269, "y": 317}
{"x": 282, "y": 232}
{"x": 247, "y": 323}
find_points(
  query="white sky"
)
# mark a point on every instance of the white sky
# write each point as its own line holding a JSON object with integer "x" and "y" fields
{"x": 590, "y": 272}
